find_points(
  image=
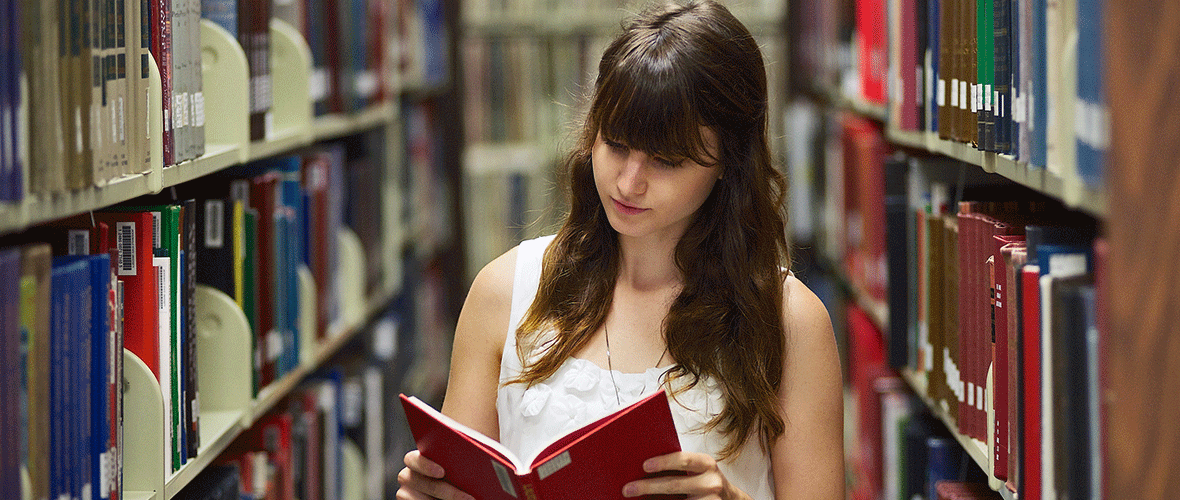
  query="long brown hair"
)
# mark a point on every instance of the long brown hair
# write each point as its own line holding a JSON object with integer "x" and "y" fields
{"x": 673, "y": 69}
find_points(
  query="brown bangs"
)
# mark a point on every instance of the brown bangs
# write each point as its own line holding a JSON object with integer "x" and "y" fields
{"x": 646, "y": 102}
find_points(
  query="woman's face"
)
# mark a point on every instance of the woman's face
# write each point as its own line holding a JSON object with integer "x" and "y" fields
{"x": 650, "y": 196}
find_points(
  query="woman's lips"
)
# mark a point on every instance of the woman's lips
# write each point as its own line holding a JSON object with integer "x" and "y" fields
{"x": 627, "y": 209}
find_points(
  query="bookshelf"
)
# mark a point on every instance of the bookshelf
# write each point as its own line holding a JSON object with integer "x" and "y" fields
{"x": 830, "y": 70}
{"x": 230, "y": 413}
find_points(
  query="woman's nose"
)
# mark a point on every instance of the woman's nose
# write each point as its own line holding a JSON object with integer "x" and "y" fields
{"x": 633, "y": 177}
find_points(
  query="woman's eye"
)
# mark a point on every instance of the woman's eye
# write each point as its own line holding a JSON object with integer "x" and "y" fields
{"x": 666, "y": 162}
{"x": 616, "y": 146}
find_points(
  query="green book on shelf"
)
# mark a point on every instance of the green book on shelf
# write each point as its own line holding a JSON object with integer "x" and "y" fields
{"x": 985, "y": 36}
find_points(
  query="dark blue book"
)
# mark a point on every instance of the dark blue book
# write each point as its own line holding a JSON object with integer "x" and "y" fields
{"x": 947, "y": 461}
{"x": 1091, "y": 127}
{"x": 97, "y": 337}
{"x": 1038, "y": 107}
{"x": 69, "y": 382}
{"x": 10, "y": 373}
{"x": 1074, "y": 343}
{"x": 11, "y": 171}
{"x": 437, "y": 41}
{"x": 1002, "y": 79}
{"x": 897, "y": 244}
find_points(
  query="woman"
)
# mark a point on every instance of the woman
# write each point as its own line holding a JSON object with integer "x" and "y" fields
{"x": 672, "y": 255}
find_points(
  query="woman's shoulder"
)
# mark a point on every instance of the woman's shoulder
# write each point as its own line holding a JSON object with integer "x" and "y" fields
{"x": 803, "y": 311}
{"x": 493, "y": 285}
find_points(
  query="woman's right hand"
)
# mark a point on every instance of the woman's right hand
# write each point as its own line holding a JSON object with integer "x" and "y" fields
{"x": 421, "y": 479}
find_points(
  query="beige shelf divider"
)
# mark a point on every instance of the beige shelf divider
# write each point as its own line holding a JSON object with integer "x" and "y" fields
{"x": 143, "y": 436}
{"x": 291, "y": 109}
{"x": 225, "y": 80}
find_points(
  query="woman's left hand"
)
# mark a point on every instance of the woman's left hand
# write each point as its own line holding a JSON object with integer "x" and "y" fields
{"x": 693, "y": 474}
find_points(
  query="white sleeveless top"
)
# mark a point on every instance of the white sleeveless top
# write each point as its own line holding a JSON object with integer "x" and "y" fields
{"x": 581, "y": 392}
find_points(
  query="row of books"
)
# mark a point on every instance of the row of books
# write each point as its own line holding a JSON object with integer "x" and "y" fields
{"x": 990, "y": 299}
{"x": 610, "y": 8}
{"x": 246, "y": 232}
{"x": 83, "y": 120}
{"x": 526, "y": 88}
{"x": 1016, "y": 77}
{"x": 60, "y": 340}
{"x": 901, "y": 451}
{"x": 339, "y": 434}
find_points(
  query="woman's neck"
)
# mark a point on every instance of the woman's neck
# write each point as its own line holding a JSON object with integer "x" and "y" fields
{"x": 647, "y": 264}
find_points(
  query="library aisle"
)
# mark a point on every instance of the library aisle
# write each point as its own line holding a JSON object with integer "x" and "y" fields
{"x": 233, "y": 231}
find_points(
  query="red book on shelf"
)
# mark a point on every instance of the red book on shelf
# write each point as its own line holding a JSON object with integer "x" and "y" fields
{"x": 161, "y": 50}
{"x": 874, "y": 60}
{"x": 130, "y": 237}
{"x": 1030, "y": 302}
{"x": 595, "y": 461}
{"x": 866, "y": 344}
{"x": 1000, "y": 296}
{"x": 264, "y": 197}
{"x": 864, "y": 205}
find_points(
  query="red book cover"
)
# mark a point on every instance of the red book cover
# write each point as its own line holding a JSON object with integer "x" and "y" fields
{"x": 264, "y": 197}
{"x": 161, "y": 49}
{"x": 993, "y": 224}
{"x": 968, "y": 296}
{"x": 315, "y": 184}
{"x": 909, "y": 64}
{"x": 1030, "y": 301}
{"x": 130, "y": 238}
{"x": 874, "y": 60}
{"x": 595, "y": 461}
{"x": 866, "y": 364}
{"x": 864, "y": 205}
{"x": 1000, "y": 295}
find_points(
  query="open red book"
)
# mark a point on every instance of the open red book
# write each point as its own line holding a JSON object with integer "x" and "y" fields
{"x": 594, "y": 461}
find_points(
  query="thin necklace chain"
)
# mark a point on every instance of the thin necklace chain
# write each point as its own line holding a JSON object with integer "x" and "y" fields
{"x": 611, "y": 370}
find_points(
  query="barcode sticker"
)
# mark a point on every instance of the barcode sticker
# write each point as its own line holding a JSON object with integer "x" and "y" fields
{"x": 125, "y": 232}
{"x": 214, "y": 224}
{"x": 157, "y": 238}
{"x": 505, "y": 478}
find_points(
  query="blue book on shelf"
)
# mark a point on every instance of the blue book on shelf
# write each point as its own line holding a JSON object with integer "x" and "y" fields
{"x": 1091, "y": 128}
{"x": 1038, "y": 107}
{"x": 12, "y": 188}
{"x": 437, "y": 41}
{"x": 933, "y": 22}
{"x": 97, "y": 337}
{"x": 224, "y": 13}
{"x": 13, "y": 436}
{"x": 69, "y": 378}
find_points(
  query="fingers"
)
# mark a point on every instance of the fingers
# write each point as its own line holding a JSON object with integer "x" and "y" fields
{"x": 692, "y": 463}
{"x": 421, "y": 479}
{"x": 422, "y": 465}
{"x": 693, "y": 474}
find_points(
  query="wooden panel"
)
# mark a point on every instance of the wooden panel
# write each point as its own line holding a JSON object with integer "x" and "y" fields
{"x": 1143, "y": 172}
